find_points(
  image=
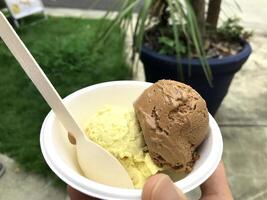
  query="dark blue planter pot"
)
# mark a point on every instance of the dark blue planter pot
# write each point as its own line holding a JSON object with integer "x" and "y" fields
{"x": 223, "y": 70}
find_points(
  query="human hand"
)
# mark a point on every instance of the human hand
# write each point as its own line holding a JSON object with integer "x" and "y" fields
{"x": 160, "y": 187}
{"x": 216, "y": 186}
{"x": 76, "y": 195}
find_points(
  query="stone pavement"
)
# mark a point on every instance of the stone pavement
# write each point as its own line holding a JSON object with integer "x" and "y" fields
{"x": 242, "y": 118}
{"x": 16, "y": 184}
{"x": 82, "y": 4}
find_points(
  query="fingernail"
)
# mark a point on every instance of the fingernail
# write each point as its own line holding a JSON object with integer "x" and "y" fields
{"x": 164, "y": 189}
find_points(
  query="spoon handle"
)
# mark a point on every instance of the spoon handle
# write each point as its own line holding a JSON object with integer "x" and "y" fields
{"x": 38, "y": 77}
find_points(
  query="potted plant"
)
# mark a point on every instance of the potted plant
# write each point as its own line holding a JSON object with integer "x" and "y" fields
{"x": 181, "y": 40}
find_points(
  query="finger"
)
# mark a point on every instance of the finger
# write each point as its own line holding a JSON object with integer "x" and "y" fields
{"x": 76, "y": 195}
{"x": 161, "y": 187}
{"x": 216, "y": 185}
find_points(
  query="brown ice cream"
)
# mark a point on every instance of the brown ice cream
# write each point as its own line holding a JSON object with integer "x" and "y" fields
{"x": 174, "y": 121}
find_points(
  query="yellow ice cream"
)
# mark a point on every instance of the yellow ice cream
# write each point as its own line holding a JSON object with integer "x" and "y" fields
{"x": 116, "y": 129}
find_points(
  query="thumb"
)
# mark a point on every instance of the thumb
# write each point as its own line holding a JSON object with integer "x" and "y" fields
{"x": 161, "y": 187}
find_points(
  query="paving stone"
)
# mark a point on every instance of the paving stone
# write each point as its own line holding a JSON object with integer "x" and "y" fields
{"x": 16, "y": 184}
{"x": 245, "y": 157}
{"x": 245, "y": 103}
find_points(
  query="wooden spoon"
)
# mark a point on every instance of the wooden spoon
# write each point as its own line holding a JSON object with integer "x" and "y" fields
{"x": 96, "y": 163}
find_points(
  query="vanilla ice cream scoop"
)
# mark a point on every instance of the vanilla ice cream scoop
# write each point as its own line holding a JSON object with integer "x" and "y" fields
{"x": 174, "y": 120}
{"x": 116, "y": 129}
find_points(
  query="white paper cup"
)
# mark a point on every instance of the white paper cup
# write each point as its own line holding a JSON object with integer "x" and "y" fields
{"x": 61, "y": 157}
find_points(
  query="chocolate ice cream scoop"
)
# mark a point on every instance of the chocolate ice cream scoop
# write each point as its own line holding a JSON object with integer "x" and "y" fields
{"x": 174, "y": 120}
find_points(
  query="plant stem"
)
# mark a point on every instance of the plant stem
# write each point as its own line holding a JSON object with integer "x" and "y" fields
{"x": 213, "y": 13}
{"x": 199, "y": 9}
{"x": 165, "y": 15}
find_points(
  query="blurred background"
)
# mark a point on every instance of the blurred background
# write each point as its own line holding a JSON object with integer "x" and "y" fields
{"x": 63, "y": 36}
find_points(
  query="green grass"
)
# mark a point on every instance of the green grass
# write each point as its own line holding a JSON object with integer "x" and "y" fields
{"x": 65, "y": 49}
